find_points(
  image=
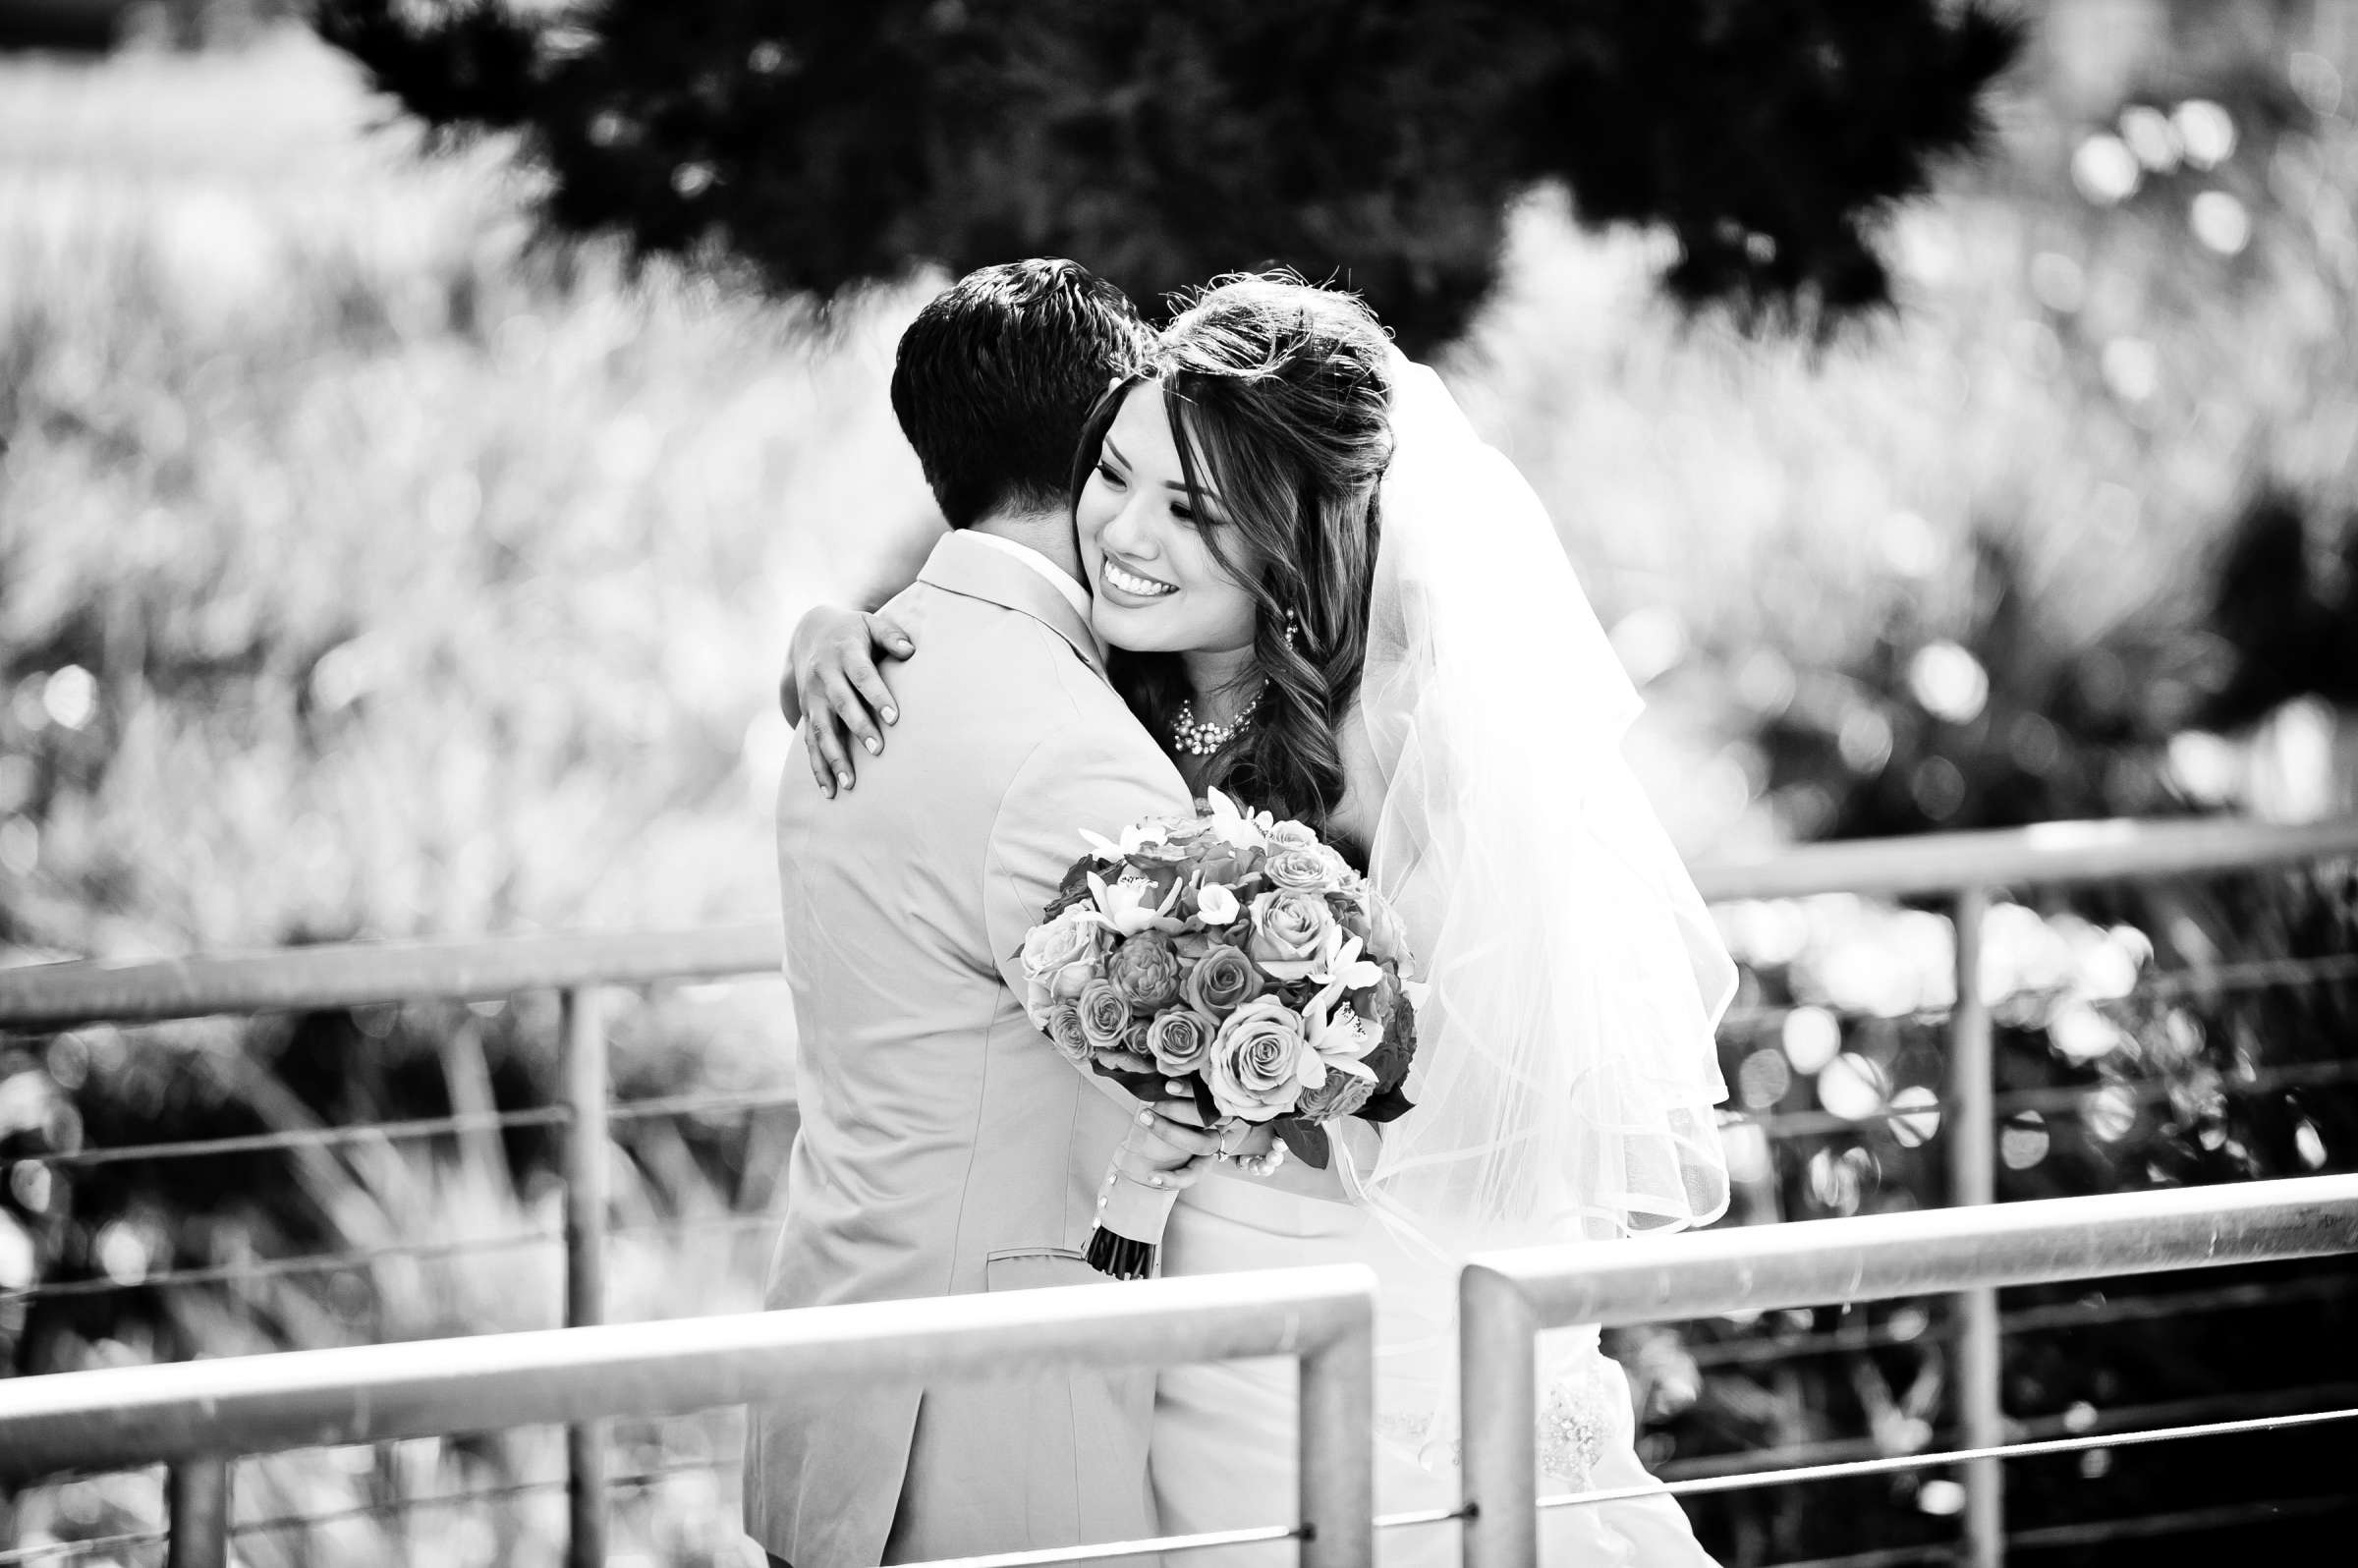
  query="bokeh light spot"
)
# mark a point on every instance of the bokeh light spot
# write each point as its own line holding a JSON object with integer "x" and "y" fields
{"x": 1813, "y": 1037}
{"x": 2105, "y": 169}
{"x": 1917, "y": 1128}
{"x": 2316, "y": 79}
{"x": 2024, "y": 1141}
{"x": 1948, "y": 682}
{"x": 2220, "y": 222}
{"x": 1649, "y": 643}
{"x": 1851, "y": 1087}
{"x": 2310, "y": 1144}
{"x": 1942, "y": 1500}
{"x": 1865, "y": 740}
{"x": 1763, "y": 1079}
{"x": 69, "y": 696}
{"x": 2132, "y": 369}
{"x": 2151, "y": 136}
{"x": 17, "y": 1261}
{"x": 2205, "y": 131}
{"x": 1938, "y": 788}
{"x": 2081, "y": 1034}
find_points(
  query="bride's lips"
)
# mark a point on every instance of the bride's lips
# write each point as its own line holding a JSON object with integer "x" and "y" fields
{"x": 1131, "y": 589}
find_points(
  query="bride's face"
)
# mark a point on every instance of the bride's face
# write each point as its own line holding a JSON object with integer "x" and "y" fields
{"x": 1157, "y": 586}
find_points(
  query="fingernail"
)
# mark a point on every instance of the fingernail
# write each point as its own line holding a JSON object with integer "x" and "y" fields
{"x": 874, "y": 746}
{"x": 905, "y": 647}
{"x": 892, "y": 716}
{"x": 843, "y": 780}
{"x": 1145, "y": 1118}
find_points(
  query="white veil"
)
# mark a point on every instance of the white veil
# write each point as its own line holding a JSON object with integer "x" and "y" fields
{"x": 1566, "y": 1074}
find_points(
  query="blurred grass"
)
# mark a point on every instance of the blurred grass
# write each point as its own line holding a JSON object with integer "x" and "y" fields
{"x": 457, "y": 573}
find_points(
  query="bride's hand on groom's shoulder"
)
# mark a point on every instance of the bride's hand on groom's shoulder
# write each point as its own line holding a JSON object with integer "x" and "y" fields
{"x": 835, "y": 689}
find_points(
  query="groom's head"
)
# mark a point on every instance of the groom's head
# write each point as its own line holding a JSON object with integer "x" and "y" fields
{"x": 996, "y": 377}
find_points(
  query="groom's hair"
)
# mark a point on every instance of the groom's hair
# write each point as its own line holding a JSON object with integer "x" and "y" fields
{"x": 996, "y": 377}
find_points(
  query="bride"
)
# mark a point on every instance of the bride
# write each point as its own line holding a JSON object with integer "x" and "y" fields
{"x": 1329, "y": 600}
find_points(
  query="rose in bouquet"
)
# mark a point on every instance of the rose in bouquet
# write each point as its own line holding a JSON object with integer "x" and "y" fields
{"x": 1239, "y": 955}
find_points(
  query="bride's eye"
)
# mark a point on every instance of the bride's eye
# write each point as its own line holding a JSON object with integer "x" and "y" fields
{"x": 1107, "y": 471}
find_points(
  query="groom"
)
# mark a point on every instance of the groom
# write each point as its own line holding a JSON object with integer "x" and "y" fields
{"x": 945, "y": 1147}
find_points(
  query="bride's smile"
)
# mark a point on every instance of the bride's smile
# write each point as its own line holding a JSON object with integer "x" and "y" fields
{"x": 1125, "y": 586}
{"x": 1157, "y": 585}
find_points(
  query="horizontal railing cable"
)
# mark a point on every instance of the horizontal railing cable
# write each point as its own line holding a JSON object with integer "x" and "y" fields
{"x": 305, "y": 1137}
{"x": 2242, "y": 975}
{"x": 54, "y": 1551}
{"x": 2049, "y": 853}
{"x": 2058, "y": 1099}
{"x": 2027, "y": 1319}
{"x": 277, "y": 1268}
{"x": 1895, "y": 1464}
{"x": 283, "y": 1524}
{"x": 286, "y": 1524}
{"x": 2070, "y": 1424}
{"x": 1122, "y": 1550}
{"x": 419, "y": 1127}
{"x": 56, "y": 995}
{"x": 364, "y": 974}
{"x": 704, "y": 1105}
{"x": 2186, "y": 1522}
{"x": 2061, "y": 1100}
{"x": 363, "y": 1257}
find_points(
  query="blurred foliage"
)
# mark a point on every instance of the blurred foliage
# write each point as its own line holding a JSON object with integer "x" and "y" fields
{"x": 2133, "y": 1079}
{"x": 826, "y": 145}
{"x": 455, "y": 572}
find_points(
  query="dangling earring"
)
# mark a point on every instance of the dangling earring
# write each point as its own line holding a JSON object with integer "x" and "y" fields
{"x": 1293, "y": 626}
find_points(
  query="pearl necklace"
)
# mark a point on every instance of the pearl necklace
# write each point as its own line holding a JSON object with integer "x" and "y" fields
{"x": 1196, "y": 737}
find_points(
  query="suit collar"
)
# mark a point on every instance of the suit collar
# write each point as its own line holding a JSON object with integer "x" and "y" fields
{"x": 966, "y": 566}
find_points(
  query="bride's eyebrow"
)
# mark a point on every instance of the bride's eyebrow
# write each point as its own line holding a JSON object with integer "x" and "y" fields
{"x": 1117, "y": 452}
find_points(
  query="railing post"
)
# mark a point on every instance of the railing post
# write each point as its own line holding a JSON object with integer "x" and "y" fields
{"x": 197, "y": 1499}
{"x": 1972, "y": 1179}
{"x": 1498, "y": 1358}
{"x": 585, "y": 1193}
{"x": 1338, "y": 1436}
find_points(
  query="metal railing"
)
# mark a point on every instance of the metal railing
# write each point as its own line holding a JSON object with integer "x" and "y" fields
{"x": 201, "y": 1415}
{"x": 1965, "y": 868}
{"x": 1505, "y": 1299}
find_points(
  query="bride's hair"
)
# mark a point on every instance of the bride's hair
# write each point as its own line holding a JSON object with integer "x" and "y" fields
{"x": 1279, "y": 403}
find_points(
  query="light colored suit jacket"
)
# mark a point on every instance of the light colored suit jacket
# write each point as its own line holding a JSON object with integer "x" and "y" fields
{"x": 945, "y": 1148}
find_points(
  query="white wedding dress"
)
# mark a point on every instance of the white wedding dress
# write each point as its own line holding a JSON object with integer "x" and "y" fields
{"x": 1566, "y": 1073}
{"x": 1223, "y": 1455}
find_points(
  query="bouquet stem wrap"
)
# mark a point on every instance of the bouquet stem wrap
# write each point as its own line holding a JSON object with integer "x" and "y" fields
{"x": 1129, "y": 1228}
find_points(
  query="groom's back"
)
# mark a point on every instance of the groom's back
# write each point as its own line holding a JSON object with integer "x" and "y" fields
{"x": 945, "y": 1148}
{"x": 911, "y": 1045}
{"x": 905, "y": 1029}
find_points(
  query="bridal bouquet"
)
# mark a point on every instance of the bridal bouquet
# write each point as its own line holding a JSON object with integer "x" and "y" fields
{"x": 1239, "y": 955}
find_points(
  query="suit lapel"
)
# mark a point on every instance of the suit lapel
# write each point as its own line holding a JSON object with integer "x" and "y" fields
{"x": 962, "y": 565}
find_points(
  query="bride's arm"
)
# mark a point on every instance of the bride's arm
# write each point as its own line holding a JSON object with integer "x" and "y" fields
{"x": 832, "y": 683}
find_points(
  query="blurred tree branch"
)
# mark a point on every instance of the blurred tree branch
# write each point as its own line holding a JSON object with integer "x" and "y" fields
{"x": 1375, "y": 142}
